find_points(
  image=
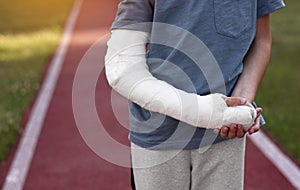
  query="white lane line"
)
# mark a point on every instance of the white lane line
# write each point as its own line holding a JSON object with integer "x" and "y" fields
{"x": 284, "y": 164}
{"x": 17, "y": 174}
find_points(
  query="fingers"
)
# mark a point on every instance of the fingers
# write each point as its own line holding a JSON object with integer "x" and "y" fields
{"x": 253, "y": 129}
{"x": 232, "y": 131}
{"x": 240, "y": 132}
{"x": 235, "y": 101}
{"x": 224, "y": 131}
{"x": 258, "y": 111}
{"x": 256, "y": 126}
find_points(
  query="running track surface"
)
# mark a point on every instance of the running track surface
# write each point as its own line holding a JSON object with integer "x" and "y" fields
{"x": 63, "y": 161}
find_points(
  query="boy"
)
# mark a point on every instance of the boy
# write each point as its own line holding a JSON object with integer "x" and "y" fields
{"x": 201, "y": 52}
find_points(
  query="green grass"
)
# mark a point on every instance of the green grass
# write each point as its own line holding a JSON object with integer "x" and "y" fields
{"x": 29, "y": 34}
{"x": 279, "y": 92}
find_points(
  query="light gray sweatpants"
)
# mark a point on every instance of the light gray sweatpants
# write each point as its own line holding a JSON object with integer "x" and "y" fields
{"x": 219, "y": 167}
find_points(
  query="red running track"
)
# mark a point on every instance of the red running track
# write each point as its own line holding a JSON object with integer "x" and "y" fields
{"x": 63, "y": 161}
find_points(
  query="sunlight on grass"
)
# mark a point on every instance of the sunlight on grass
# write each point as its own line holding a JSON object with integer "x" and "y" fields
{"x": 23, "y": 46}
{"x": 22, "y": 60}
{"x": 29, "y": 15}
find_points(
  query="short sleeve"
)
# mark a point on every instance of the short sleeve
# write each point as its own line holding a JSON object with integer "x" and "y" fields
{"x": 132, "y": 12}
{"x": 265, "y": 7}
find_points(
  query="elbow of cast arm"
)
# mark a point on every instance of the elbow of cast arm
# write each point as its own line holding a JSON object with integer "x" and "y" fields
{"x": 126, "y": 52}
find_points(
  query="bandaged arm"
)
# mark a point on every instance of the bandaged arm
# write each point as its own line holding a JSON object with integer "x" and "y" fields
{"x": 128, "y": 73}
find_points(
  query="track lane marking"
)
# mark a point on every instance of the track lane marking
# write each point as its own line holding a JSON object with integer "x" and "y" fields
{"x": 281, "y": 161}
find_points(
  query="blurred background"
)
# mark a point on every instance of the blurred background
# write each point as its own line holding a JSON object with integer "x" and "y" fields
{"x": 280, "y": 89}
{"x": 29, "y": 34}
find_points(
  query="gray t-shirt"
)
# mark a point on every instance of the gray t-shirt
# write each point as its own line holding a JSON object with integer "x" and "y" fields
{"x": 225, "y": 30}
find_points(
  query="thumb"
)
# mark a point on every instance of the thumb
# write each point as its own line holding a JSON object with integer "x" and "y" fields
{"x": 235, "y": 101}
{"x": 258, "y": 111}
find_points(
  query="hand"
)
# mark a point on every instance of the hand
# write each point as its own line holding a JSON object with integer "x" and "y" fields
{"x": 233, "y": 130}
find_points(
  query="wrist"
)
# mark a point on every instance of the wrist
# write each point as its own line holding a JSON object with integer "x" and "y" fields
{"x": 247, "y": 96}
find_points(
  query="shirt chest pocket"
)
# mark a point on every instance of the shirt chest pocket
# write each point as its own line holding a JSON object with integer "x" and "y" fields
{"x": 233, "y": 17}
